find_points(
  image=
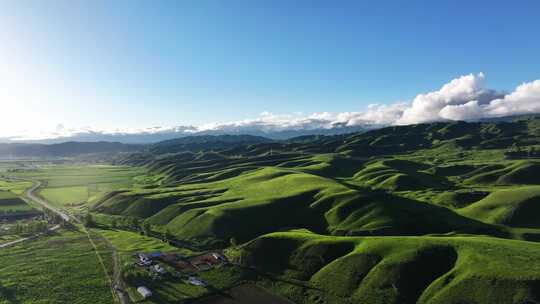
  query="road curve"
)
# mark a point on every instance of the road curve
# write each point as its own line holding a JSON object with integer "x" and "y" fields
{"x": 31, "y": 196}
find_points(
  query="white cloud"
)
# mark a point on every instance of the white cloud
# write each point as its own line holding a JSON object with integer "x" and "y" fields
{"x": 525, "y": 99}
{"x": 468, "y": 111}
{"x": 428, "y": 107}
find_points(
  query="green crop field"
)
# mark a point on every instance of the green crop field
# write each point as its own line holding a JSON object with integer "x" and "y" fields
{"x": 16, "y": 187}
{"x": 76, "y": 184}
{"x": 10, "y": 202}
{"x": 58, "y": 269}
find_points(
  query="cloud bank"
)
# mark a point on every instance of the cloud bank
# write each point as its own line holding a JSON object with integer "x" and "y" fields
{"x": 467, "y": 98}
{"x": 463, "y": 98}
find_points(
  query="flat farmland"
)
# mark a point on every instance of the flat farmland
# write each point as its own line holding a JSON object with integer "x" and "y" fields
{"x": 9, "y": 202}
{"x": 16, "y": 187}
{"x": 77, "y": 184}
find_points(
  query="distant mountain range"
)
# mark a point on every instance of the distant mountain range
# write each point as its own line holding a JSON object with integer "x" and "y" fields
{"x": 67, "y": 149}
{"x": 201, "y": 141}
{"x": 205, "y": 142}
{"x": 75, "y": 149}
{"x": 156, "y": 135}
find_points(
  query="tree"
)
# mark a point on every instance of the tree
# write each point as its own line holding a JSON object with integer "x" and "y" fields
{"x": 146, "y": 228}
{"x": 135, "y": 223}
{"x": 89, "y": 220}
{"x": 168, "y": 235}
{"x": 515, "y": 148}
{"x": 114, "y": 223}
{"x": 233, "y": 242}
{"x": 18, "y": 229}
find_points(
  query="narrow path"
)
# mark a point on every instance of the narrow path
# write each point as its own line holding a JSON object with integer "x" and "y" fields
{"x": 117, "y": 274}
{"x": 113, "y": 291}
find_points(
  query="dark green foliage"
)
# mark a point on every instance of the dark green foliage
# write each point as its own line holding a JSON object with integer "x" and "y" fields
{"x": 89, "y": 221}
{"x": 205, "y": 143}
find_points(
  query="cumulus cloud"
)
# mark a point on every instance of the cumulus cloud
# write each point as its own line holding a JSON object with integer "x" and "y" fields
{"x": 449, "y": 102}
{"x": 524, "y": 100}
{"x": 464, "y": 98}
{"x": 468, "y": 111}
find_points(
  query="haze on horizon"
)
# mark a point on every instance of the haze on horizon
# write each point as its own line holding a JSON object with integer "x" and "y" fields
{"x": 71, "y": 67}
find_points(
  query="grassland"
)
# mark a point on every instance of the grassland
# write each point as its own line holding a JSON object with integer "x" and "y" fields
{"x": 58, "y": 269}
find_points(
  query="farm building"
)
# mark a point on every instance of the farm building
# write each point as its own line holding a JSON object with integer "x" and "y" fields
{"x": 144, "y": 291}
{"x": 159, "y": 269}
{"x": 207, "y": 260}
{"x": 154, "y": 255}
{"x": 219, "y": 257}
{"x": 144, "y": 259}
{"x": 196, "y": 281}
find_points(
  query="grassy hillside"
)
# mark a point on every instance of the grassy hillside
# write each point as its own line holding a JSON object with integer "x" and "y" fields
{"x": 516, "y": 207}
{"x": 398, "y": 269}
{"x": 397, "y": 215}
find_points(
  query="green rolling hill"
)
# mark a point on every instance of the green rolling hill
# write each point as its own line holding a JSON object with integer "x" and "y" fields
{"x": 429, "y": 213}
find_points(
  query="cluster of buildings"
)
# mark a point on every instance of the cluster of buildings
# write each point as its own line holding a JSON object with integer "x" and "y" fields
{"x": 181, "y": 264}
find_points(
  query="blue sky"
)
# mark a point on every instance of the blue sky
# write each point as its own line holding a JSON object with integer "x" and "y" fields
{"x": 136, "y": 64}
